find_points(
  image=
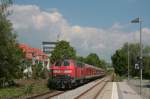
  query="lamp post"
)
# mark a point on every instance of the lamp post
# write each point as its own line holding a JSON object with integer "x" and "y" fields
{"x": 138, "y": 20}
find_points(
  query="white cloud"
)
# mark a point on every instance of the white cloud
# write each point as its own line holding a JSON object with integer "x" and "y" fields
{"x": 34, "y": 26}
{"x": 117, "y": 26}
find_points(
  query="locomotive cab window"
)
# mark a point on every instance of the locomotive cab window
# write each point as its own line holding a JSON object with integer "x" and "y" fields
{"x": 58, "y": 63}
{"x": 66, "y": 63}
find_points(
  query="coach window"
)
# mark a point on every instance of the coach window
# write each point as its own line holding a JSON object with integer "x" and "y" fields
{"x": 66, "y": 63}
{"x": 83, "y": 64}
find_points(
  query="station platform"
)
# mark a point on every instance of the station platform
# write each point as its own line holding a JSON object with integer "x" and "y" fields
{"x": 121, "y": 90}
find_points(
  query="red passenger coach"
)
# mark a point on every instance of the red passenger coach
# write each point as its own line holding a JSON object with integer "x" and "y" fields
{"x": 69, "y": 73}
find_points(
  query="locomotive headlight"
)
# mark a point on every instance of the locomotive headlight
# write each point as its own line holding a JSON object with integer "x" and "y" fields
{"x": 67, "y": 71}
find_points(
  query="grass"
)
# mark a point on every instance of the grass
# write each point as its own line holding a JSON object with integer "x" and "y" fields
{"x": 11, "y": 92}
{"x": 28, "y": 88}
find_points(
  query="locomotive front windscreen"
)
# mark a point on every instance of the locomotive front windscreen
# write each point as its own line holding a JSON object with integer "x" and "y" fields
{"x": 58, "y": 63}
{"x": 62, "y": 63}
{"x": 66, "y": 63}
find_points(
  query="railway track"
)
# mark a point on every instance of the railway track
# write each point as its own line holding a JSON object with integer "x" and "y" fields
{"x": 46, "y": 95}
{"x": 90, "y": 93}
{"x": 94, "y": 91}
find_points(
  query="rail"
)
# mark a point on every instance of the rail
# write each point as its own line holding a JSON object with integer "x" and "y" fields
{"x": 103, "y": 82}
{"x": 46, "y": 95}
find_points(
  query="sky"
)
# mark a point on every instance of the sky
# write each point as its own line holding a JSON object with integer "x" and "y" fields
{"x": 91, "y": 26}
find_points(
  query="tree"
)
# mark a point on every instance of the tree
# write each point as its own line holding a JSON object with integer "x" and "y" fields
{"x": 81, "y": 59}
{"x": 38, "y": 71}
{"x": 120, "y": 60}
{"x": 104, "y": 64}
{"x": 134, "y": 53}
{"x": 93, "y": 59}
{"x": 63, "y": 50}
{"x": 146, "y": 62}
{"x": 10, "y": 54}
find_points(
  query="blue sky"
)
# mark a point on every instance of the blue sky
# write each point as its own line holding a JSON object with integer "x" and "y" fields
{"x": 91, "y": 26}
{"x": 96, "y": 13}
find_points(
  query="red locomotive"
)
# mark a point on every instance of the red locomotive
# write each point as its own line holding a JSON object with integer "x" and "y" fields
{"x": 68, "y": 73}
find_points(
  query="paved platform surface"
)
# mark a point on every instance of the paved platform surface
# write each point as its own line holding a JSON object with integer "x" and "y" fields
{"x": 135, "y": 84}
{"x": 113, "y": 90}
{"x": 124, "y": 91}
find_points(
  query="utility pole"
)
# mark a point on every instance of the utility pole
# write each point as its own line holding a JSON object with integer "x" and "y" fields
{"x": 141, "y": 56}
{"x": 128, "y": 61}
{"x": 138, "y": 20}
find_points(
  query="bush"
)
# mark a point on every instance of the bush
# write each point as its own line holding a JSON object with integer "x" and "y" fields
{"x": 38, "y": 71}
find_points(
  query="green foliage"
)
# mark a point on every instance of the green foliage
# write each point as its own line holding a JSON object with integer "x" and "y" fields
{"x": 146, "y": 62}
{"x": 80, "y": 58}
{"x": 120, "y": 60}
{"x": 104, "y": 64}
{"x": 27, "y": 87}
{"x": 38, "y": 71}
{"x": 10, "y": 54}
{"x": 93, "y": 59}
{"x": 63, "y": 50}
{"x": 44, "y": 73}
{"x": 118, "y": 78}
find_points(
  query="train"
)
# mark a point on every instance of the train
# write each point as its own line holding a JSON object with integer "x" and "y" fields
{"x": 70, "y": 73}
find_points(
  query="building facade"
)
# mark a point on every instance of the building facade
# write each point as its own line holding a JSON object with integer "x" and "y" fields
{"x": 34, "y": 56}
